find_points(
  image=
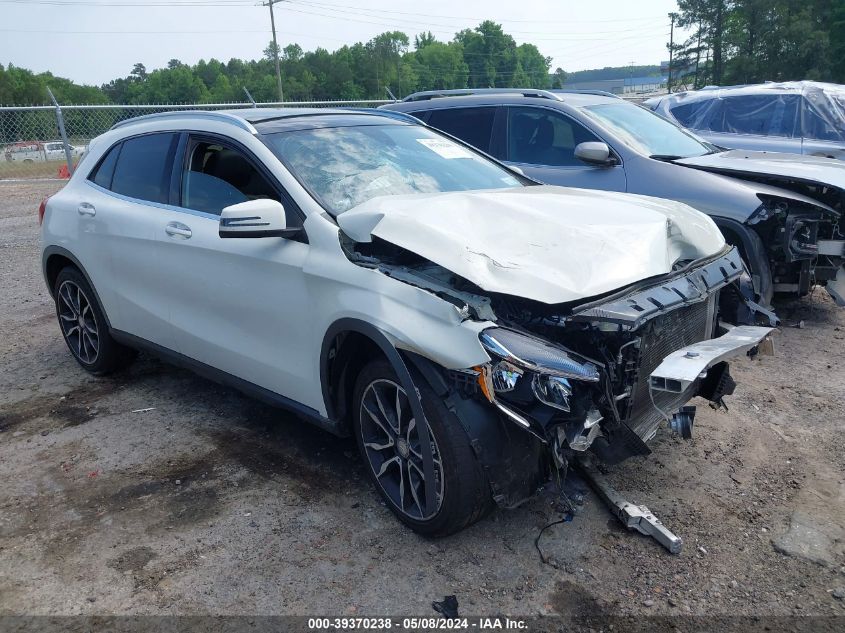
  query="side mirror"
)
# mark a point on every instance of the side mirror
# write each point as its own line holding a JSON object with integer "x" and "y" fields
{"x": 255, "y": 218}
{"x": 517, "y": 170}
{"x": 594, "y": 153}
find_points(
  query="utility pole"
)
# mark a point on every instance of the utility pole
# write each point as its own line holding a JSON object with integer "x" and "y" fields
{"x": 672, "y": 17}
{"x": 270, "y": 4}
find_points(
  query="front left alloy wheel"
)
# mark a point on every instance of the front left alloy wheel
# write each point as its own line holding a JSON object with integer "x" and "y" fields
{"x": 84, "y": 327}
{"x": 388, "y": 436}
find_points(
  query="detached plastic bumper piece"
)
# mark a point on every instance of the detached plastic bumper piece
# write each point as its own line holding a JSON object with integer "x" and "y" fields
{"x": 682, "y": 368}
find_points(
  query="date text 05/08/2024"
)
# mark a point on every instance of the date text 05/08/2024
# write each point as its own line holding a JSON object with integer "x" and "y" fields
{"x": 416, "y": 624}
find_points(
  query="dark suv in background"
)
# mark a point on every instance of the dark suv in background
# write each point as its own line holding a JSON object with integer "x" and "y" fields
{"x": 788, "y": 231}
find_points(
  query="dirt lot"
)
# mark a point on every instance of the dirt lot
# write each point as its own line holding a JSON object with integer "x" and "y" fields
{"x": 214, "y": 504}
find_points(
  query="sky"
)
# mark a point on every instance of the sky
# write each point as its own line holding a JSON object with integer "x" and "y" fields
{"x": 94, "y": 41}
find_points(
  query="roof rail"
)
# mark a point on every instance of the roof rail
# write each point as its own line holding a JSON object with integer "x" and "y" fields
{"x": 427, "y": 95}
{"x": 392, "y": 114}
{"x": 223, "y": 117}
{"x": 586, "y": 91}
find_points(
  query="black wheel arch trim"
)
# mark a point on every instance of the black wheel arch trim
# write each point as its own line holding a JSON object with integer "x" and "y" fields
{"x": 52, "y": 250}
{"x": 347, "y": 325}
{"x": 512, "y": 459}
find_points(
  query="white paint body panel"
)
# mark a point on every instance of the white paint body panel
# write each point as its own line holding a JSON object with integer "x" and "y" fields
{"x": 550, "y": 244}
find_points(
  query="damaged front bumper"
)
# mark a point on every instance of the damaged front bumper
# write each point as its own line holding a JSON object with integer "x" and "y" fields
{"x": 603, "y": 377}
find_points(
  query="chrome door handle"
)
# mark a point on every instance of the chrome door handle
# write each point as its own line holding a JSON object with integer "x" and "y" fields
{"x": 177, "y": 229}
{"x": 86, "y": 208}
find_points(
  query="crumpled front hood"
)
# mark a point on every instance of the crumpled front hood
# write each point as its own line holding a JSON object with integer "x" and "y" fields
{"x": 549, "y": 244}
{"x": 816, "y": 169}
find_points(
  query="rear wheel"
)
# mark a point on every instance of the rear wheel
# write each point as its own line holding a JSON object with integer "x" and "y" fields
{"x": 83, "y": 325}
{"x": 389, "y": 440}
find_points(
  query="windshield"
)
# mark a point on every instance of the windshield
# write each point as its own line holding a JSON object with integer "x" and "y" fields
{"x": 345, "y": 166}
{"x": 646, "y": 132}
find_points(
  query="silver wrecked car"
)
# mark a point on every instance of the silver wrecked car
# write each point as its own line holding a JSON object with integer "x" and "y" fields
{"x": 797, "y": 117}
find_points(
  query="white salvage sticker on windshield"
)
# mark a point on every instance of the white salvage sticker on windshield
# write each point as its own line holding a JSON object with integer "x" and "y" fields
{"x": 445, "y": 147}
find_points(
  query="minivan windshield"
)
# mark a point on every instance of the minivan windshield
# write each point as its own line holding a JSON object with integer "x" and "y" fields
{"x": 647, "y": 132}
{"x": 345, "y": 166}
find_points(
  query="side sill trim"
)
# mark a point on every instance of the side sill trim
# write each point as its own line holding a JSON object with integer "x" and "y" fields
{"x": 216, "y": 375}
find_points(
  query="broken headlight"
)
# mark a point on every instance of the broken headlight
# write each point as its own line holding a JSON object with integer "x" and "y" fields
{"x": 551, "y": 367}
{"x": 537, "y": 355}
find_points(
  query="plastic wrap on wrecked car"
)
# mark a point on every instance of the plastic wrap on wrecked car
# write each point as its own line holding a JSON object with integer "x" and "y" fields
{"x": 735, "y": 110}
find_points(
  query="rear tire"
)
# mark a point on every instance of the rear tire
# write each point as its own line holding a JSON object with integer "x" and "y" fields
{"x": 84, "y": 327}
{"x": 387, "y": 439}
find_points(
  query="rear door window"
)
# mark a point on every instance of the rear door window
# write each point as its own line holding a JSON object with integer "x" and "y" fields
{"x": 763, "y": 115}
{"x": 143, "y": 167}
{"x": 471, "y": 125}
{"x": 217, "y": 176}
{"x": 539, "y": 136}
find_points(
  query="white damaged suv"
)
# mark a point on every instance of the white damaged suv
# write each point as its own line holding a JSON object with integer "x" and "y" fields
{"x": 473, "y": 330}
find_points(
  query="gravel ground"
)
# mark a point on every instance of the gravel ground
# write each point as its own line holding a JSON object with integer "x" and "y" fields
{"x": 215, "y": 504}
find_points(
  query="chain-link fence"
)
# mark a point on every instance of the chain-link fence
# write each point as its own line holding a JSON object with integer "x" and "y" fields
{"x": 31, "y": 144}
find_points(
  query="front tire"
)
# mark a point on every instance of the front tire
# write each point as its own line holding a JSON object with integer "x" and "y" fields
{"x": 84, "y": 326}
{"x": 388, "y": 440}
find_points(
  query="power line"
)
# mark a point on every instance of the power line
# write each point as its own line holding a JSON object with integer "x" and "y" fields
{"x": 378, "y": 13}
{"x": 306, "y": 3}
{"x": 347, "y": 17}
{"x": 466, "y": 17}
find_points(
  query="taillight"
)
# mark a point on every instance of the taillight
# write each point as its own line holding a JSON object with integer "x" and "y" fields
{"x": 41, "y": 209}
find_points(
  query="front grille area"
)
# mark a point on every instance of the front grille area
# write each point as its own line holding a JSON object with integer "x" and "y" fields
{"x": 660, "y": 337}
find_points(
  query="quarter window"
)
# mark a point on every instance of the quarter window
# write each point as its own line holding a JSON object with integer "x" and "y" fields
{"x": 471, "y": 125}
{"x": 217, "y": 176}
{"x": 143, "y": 167}
{"x": 105, "y": 170}
{"x": 538, "y": 136}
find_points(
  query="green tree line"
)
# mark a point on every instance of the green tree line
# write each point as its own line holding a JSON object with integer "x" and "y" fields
{"x": 613, "y": 72}
{"x": 751, "y": 41}
{"x": 484, "y": 57}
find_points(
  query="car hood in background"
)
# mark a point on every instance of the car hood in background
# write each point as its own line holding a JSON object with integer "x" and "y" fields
{"x": 549, "y": 244}
{"x": 779, "y": 167}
